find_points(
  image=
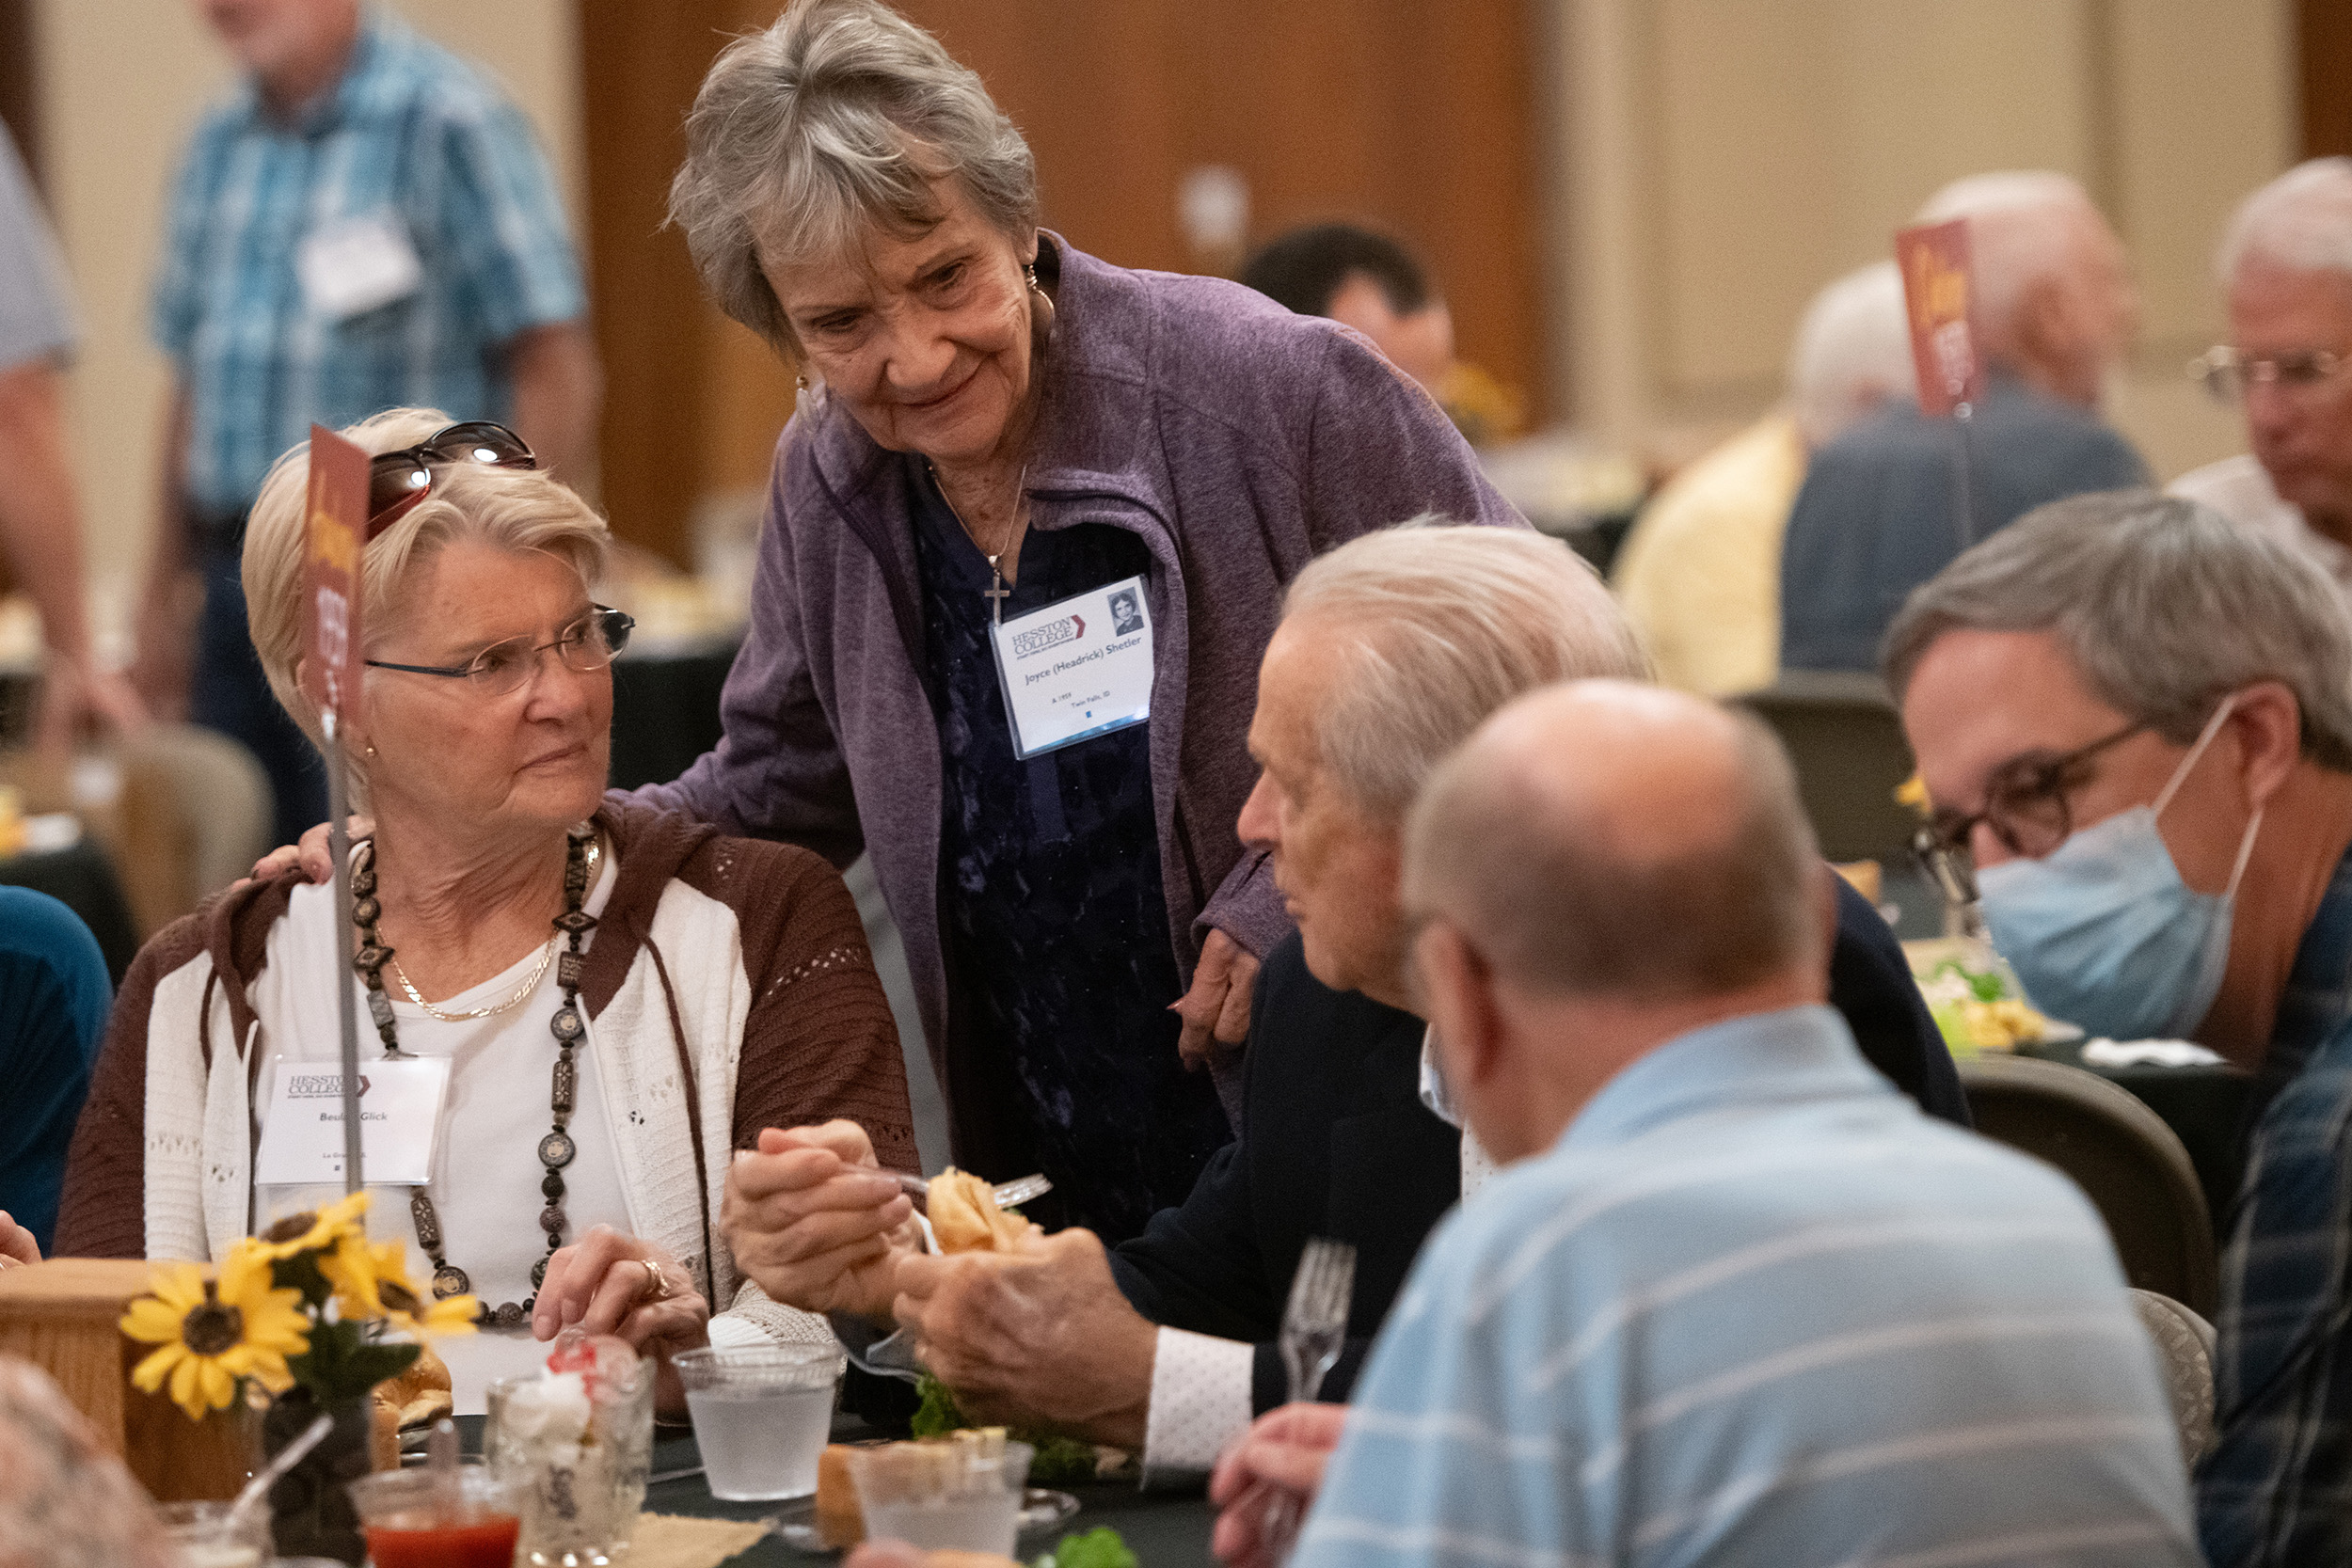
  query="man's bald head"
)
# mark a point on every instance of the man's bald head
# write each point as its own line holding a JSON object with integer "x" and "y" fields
{"x": 1602, "y": 838}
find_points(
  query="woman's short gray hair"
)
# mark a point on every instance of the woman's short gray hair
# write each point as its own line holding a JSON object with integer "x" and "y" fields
{"x": 2163, "y": 604}
{"x": 1442, "y": 624}
{"x": 515, "y": 509}
{"x": 833, "y": 122}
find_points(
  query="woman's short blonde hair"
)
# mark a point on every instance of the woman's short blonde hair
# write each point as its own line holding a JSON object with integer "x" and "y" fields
{"x": 836, "y": 121}
{"x": 515, "y": 509}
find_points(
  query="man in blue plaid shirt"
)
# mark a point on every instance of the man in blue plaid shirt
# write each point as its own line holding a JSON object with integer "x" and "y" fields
{"x": 366, "y": 223}
{"x": 2133, "y": 718}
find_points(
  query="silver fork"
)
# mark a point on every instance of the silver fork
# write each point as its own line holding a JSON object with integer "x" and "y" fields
{"x": 1314, "y": 1330}
{"x": 1012, "y": 1195}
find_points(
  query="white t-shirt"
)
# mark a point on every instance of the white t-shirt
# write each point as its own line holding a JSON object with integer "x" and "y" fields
{"x": 2240, "y": 490}
{"x": 486, "y": 1162}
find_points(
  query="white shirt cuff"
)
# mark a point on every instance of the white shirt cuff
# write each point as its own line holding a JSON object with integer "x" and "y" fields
{"x": 1199, "y": 1401}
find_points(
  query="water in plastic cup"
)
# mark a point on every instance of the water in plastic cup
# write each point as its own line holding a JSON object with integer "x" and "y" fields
{"x": 208, "y": 1536}
{"x": 977, "y": 1511}
{"x": 761, "y": 1416}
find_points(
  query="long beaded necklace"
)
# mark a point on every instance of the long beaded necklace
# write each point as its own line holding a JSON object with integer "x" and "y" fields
{"x": 557, "y": 1148}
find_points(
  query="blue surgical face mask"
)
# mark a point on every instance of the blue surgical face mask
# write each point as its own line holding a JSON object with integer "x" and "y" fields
{"x": 2102, "y": 931}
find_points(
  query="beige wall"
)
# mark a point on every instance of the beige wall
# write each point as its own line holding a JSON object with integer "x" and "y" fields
{"x": 122, "y": 83}
{"x": 1726, "y": 157}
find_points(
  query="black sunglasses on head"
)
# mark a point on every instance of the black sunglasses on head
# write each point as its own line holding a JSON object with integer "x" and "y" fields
{"x": 397, "y": 481}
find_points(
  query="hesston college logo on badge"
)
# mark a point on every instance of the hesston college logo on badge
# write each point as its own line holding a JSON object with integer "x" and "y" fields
{"x": 1051, "y": 635}
{"x": 321, "y": 1085}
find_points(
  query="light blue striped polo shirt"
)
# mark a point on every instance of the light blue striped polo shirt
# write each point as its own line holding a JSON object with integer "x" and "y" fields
{"x": 1753, "y": 1307}
{"x": 413, "y": 134}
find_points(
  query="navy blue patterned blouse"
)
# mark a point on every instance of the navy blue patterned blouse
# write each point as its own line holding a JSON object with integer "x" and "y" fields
{"x": 1057, "y": 945}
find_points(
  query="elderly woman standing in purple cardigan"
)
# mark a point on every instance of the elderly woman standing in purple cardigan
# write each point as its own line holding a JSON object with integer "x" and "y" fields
{"x": 997, "y": 431}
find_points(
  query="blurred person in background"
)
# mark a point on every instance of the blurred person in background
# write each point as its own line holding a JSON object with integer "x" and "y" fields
{"x": 2054, "y": 311}
{"x": 364, "y": 223}
{"x": 2285, "y": 265}
{"x": 54, "y": 997}
{"x": 1700, "y": 574}
{"x": 1370, "y": 281}
{"x": 41, "y": 523}
{"x": 1731, "y": 1299}
{"x": 2132, "y": 716}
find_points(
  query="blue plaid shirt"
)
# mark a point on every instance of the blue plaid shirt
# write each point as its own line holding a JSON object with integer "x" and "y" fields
{"x": 412, "y": 133}
{"x": 2277, "y": 1487}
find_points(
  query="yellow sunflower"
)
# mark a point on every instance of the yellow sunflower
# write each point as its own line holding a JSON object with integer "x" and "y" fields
{"x": 360, "y": 1270}
{"x": 213, "y": 1332}
{"x": 311, "y": 1232}
{"x": 413, "y": 1314}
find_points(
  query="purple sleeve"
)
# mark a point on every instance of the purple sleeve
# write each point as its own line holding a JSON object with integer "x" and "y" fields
{"x": 1379, "y": 450}
{"x": 777, "y": 771}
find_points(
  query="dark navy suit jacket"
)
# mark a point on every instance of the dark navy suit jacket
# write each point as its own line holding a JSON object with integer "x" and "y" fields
{"x": 1878, "y": 514}
{"x": 1337, "y": 1143}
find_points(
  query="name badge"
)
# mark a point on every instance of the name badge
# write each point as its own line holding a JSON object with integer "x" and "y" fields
{"x": 351, "y": 267}
{"x": 400, "y": 1116}
{"x": 1076, "y": 669}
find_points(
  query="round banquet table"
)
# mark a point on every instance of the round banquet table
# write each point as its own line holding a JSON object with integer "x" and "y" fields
{"x": 1165, "y": 1530}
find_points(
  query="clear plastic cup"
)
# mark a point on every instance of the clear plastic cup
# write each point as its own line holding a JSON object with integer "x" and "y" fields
{"x": 411, "y": 1523}
{"x": 578, "y": 1489}
{"x": 761, "y": 1415}
{"x": 208, "y": 1538}
{"x": 909, "y": 1493}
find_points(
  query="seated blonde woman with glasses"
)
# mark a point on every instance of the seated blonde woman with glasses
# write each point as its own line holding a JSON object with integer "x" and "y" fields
{"x": 623, "y": 996}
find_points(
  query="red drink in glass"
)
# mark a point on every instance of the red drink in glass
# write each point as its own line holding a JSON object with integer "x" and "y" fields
{"x": 423, "y": 1539}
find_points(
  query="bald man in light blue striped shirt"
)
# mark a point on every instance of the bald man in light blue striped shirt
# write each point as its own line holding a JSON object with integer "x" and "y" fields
{"x": 1736, "y": 1301}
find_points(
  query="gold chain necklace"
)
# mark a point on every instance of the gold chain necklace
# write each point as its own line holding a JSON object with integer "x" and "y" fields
{"x": 522, "y": 993}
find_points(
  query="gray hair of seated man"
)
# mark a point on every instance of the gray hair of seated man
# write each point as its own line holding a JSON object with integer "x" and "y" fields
{"x": 2163, "y": 604}
{"x": 1852, "y": 352}
{"x": 1551, "y": 899}
{"x": 831, "y": 124}
{"x": 2302, "y": 221}
{"x": 2021, "y": 227}
{"x": 1444, "y": 623}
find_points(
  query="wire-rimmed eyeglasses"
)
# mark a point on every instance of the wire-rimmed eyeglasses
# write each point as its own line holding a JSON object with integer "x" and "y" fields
{"x": 586, "y": 646}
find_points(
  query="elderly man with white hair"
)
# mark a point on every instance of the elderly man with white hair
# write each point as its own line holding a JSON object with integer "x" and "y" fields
{"x": 1735, "y": 1301}
{"x": 2054, "y": 311}
{"x": 2286, "y": 265}
{"x": 1700, "y": 574}
{"x": 2132, "y": 716}
{"x": 1390, "y": 650}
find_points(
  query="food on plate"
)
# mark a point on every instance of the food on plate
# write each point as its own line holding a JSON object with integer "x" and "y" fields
{"x": 417, "y": 1398}
{"x": 1977, "y": 1006}
{"x": 964, "y": 1217}
{"x": 839, "y": 1520}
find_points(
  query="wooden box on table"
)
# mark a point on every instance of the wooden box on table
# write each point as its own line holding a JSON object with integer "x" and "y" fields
{"x": 65, "y": 1317}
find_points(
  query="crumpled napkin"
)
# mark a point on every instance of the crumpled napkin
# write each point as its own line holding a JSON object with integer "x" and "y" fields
{"x": 2106, "y": 1052}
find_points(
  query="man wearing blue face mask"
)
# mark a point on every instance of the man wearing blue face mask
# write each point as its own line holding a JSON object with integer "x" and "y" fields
{"x": 2135, "y": 719}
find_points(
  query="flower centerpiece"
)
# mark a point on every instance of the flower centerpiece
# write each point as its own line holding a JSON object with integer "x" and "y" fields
{"x": 316, "y": 1315}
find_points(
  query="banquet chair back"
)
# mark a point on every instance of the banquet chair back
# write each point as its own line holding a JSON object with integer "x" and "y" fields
{"x": 1845, "y": 738}
{"x": 2120, "y": 1152}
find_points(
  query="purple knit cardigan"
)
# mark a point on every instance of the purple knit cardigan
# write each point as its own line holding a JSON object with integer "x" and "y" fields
{"x": 1235, "y": 439}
